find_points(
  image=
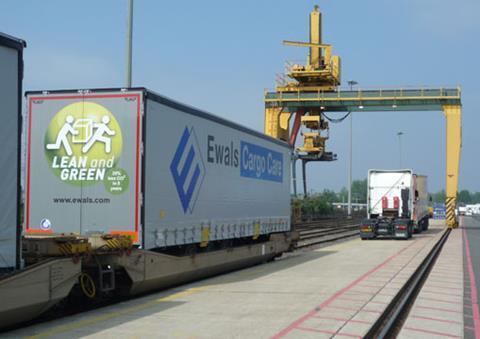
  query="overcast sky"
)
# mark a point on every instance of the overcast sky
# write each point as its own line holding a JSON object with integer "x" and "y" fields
{"x": 220, "y": 56}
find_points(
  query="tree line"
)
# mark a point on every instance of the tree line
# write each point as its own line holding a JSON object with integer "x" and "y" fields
{"x": 320, "y": 203}
{"x": 464, "y": 197}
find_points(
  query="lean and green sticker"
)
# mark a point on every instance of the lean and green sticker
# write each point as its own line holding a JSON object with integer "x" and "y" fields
{"x": 116, "y": 181}
{"x": 83, "y": 145}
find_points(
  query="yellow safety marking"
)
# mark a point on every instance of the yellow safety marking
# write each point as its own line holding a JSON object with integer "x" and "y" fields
{"x": 87, "y": 285}
{"x": 205, "y": 236}
{"x": 110, "y": 315}
{"x": 256, "y": 232}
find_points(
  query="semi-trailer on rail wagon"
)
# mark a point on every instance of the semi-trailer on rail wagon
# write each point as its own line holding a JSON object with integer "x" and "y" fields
{"x": 132, "y": 162}
{"x": 397, "y": 204}
{"x": 11, "y": 76}
{"x": 127, "y": 191}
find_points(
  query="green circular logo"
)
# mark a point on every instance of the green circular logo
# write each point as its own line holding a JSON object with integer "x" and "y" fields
{"x": 82, "y": 143}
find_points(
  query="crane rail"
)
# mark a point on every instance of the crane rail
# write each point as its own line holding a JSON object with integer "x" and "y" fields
{"x": 324, "y": 231}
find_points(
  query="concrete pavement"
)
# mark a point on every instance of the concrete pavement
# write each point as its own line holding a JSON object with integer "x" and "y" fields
{"x": 337, "y": 290}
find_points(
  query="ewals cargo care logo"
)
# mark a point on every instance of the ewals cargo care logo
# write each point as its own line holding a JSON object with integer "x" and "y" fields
{"x": 255, "y": 161}
{"x": 260, "y": 163}
{"x": 187, "y": 169}
{"x": 83, "y": 145}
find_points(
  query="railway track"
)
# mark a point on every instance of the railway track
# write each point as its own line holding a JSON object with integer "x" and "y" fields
{"x": 323, "y": 231}
{"x": 391, "y": 321}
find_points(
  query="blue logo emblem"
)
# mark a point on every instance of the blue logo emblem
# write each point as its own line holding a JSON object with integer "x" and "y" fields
{"x": 45, "y": 224}
{"x": 187, "y": 169}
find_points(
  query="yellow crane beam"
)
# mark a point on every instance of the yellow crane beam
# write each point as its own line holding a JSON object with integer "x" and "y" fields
{"x": 305, "y": 44}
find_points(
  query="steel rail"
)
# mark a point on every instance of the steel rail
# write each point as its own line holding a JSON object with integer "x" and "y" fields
{"x": 325, "y": 232}
{"x": 391, "y": 320}
{"x": 322, "y": 240}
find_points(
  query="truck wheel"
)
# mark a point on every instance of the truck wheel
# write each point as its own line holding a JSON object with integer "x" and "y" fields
{"x": 427, "y": 223}
{"x": 424, "y": 228}
{"x": 419, "y": 226}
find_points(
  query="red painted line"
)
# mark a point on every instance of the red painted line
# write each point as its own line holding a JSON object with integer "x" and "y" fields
{"x": 443, "y": 334}
{"x": 386, "y": 295}
{"x": 342, "y": 319}
{"x": 360, "y": 293}
{"x": 442, "y": 301}
{"x": 449, "y": 274}
{"x": 441, "y": 277}
{"x": 359, "y": 321}
{"x": 393, "y": 270}
{"x": 371, "y": 286}
{"x": 369, "y": 311}
{"x": 440, "y": 281}
{"x": 437, "y": 309}
{"x": 446, "y": 274}
{"x": 400, "y": 283}
{"x": 442, "y": 293}
{"x": 378, "y": 302}
{"x": 29, "y": 136}
{"x": 330, "y": 318}
{"x": 443, "y": 287}
{"x": 344, "y": 308}
{"x": 473, "y": 286}
{"x": 137, "y": 166}
{"x": 436, "y": 319}
{"x": 364, "y": 301}
{"x": 353, "y": 309}
{"x": 327, "y": 302}
{"x": 353, "y": 299}
{"x": 449, "y": 271}
{"x": 79, "y": 96}
{"x": 448, "y": 266}
{"x": 308, "y": 329}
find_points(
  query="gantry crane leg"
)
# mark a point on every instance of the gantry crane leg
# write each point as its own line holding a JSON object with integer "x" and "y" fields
{"x": 453, "y": 115}
{"x": 277, "y": 122}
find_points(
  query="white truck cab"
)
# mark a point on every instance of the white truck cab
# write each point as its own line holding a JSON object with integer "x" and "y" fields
{"x": 397, "y": 204}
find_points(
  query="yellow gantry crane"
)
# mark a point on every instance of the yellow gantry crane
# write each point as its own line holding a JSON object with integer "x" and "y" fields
{"x": 313, "y": 89}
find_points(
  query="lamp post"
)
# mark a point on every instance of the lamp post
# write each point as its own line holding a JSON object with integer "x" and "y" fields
{"x": 351, "y": 83}
{"x": 399, "y": 135}
{"x": 128, "y": 75}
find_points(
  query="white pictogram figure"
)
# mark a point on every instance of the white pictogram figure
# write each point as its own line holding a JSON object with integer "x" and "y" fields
{"x": 85, "y": 127}
{"x": 62, "y": 137}
{"x": 101, "y": 128}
